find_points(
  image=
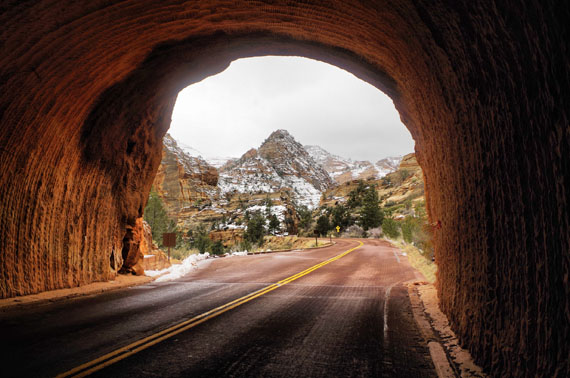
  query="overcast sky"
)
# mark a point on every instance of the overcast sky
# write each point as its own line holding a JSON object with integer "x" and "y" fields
{"x": 227, "y": 114}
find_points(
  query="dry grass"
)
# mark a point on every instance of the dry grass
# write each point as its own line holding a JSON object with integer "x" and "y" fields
{"x": 276, "y": 243}
{"x": 418, "y": 261}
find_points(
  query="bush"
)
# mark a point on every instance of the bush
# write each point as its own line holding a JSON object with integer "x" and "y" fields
{"x": 180, "y": 253}
{"x": 274, "y": 223}
{"x": 354, "y": 231}
{"x": 218, "y": 248}
{"x": 375, "y": 233}
{"x": 245, "y": 246}
{"x": 410, "y": 228}
{"x": 323, "y": 225}
{"x": 390, "y": 228}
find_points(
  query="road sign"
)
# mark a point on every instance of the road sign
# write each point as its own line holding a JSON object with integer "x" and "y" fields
{"x": 337, "y": 228}
{"x": 169, "y": 239}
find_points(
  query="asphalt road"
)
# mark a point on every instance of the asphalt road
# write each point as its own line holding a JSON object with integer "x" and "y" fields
{"x": 348, "y": 318}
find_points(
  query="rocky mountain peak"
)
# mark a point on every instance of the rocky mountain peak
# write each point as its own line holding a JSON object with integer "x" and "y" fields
{"x": 280, "y": 134}
{"x": 280, "y": 162}
{"x": 289, "y": 158}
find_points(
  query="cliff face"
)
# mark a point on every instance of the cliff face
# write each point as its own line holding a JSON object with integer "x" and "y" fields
{"x": 183, "y": 180}
{"x": 87, "y": 91}
{"x": 193, "y": 192}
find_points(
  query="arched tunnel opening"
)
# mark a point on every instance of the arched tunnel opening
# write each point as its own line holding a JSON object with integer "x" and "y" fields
{"x": 290, "y": 140}
{"x": 87, "y": 94}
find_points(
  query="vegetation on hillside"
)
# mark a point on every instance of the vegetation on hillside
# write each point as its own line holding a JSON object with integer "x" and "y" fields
{"x": 155, "y": 215}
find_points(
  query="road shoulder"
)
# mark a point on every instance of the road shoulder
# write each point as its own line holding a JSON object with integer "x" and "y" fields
{"x": 448, "y": 357}
{"x": 120, "y": 282}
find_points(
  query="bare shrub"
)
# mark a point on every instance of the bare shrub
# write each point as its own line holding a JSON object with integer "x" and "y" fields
{"x": 354, "y": 231}
{"x": 375, "y": 233}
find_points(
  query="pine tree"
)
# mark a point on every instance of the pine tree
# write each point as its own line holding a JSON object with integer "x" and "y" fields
{"x": 273, "y": 223}
{"x": 155, "y": 215}
{"x": 255, "y": 229}
{"x": 341, "y": 217}
{"x": 323, "y": 225}
{"x": 371, "y": 215}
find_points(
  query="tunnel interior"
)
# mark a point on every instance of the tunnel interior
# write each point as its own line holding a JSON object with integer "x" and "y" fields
{"x": 483, "y": 87}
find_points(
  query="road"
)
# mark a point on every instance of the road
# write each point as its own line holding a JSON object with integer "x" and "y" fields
{"x": 350, "y": 317}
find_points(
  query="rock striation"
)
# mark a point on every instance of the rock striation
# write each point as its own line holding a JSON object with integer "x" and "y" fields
{"x": 405, "y": 183}
{"x": 183, "y": 180}
{"x": 87, "y": 91}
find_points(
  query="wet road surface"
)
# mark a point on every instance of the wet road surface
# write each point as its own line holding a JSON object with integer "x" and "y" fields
{"x": 334, "y": 321}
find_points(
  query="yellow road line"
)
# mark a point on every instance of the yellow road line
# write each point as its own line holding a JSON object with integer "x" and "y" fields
{"x": 126, "y": 351}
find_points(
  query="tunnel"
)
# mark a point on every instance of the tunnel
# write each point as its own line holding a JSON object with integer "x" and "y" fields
{"x": 87, "y": 90}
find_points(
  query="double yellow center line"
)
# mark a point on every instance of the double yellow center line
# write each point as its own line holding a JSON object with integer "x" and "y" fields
{"x": 126, "y": 351}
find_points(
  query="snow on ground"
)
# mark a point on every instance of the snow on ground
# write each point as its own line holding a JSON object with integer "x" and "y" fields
{"x": 188, "y": 264}
{"x": 218, "y": 162}
{"x": 306, "y": 193}
{"x": 278, "y": 210}
{"x": 178, "y": 270}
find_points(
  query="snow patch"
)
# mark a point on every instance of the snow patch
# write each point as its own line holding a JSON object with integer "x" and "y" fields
{"x": 179, "y": 270}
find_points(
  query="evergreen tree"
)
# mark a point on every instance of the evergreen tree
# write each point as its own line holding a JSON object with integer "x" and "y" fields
{"x": 305, "y": 218}
{"x": 218, "y": 248}
{"x": 323, "y": 225}
{"x": 371, "y": 215}
{"x": 268, "y": 205}
{"x": 273, "y": 223}
{"x": 255, "y": 229}
{"x": 341, "y": 217}
{"x": 202, "y": 241}
{"x": 289, "y": 224}
{"x": 155, "y": 215}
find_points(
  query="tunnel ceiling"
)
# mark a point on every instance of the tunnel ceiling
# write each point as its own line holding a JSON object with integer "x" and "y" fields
{"x": 87, "y": 91}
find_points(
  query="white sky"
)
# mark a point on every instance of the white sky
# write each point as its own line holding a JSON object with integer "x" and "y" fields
{"x": 227, "y": 114}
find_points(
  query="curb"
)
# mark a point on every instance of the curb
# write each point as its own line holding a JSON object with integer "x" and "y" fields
{"x": 449, "y": 358}
{"x": 436, "y": 351}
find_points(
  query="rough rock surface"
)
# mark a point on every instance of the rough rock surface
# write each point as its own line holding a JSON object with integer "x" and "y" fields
{"x": 343, "y": 170}
{"x": 182, "y": 180}
{"x": 86, "y": 95}
{"x": 132, "y": 252}
{"x": 280, "y": 162}
{"x": 153, "y": 257}
{"x": 394, "y": 188}
{"x": 186, "y": 183}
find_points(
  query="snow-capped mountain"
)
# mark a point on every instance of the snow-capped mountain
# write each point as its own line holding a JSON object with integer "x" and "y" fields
{"x": 343, "y": 169}
{"x": 280, "y": 162}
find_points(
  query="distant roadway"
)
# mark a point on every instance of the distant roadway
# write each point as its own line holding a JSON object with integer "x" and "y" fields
{"x": 340, "y": 311}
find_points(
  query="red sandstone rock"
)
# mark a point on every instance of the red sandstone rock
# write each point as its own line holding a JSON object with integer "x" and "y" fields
{"x": 132, "y": 251}
{"x": 87, "y": 90}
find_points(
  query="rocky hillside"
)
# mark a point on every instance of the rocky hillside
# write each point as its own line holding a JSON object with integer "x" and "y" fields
{"x": 183, "y": 180}
{"x": 394, "y": 189}
{"x": 279, "y": 163}
{"x": 343, "y": 170}
{"x": 281, "y": 173}
{"x": 193, "y": 192}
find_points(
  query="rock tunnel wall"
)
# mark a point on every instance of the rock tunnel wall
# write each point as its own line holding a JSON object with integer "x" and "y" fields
{"x": 87, "y": 90}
